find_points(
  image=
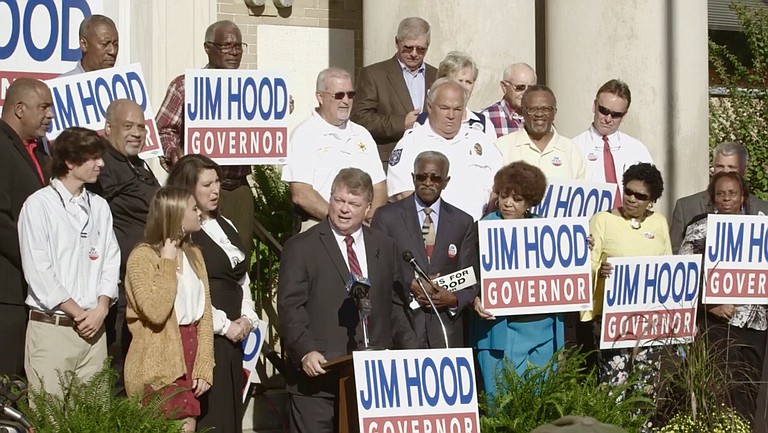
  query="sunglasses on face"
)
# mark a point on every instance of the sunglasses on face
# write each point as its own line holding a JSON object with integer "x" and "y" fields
{"x": 419, "y": 50}
{"x": 340, "y": 95}
{"x": 635, "y": 194}
{"x": 422, "y": 177}
{"x": 606, "y": 112}
{"x": 517, "y": 87}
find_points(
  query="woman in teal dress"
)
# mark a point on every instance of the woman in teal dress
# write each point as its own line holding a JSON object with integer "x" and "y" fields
{"x": 521, "y": 339}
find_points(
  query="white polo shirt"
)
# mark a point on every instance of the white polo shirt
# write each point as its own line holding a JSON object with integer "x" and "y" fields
{"x": 68, "y": 248}
{"x": 474, "y": 161}
{"x": 561, "y": 159}
{"x": 626, "y": 151}
{"x": 319, "y": 150}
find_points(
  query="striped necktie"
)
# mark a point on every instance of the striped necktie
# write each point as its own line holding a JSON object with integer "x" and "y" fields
{"x": 428, "y": 232}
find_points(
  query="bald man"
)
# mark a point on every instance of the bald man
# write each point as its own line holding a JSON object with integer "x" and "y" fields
{"x": 507, "y": 115}
{"x": 27, "y": 113}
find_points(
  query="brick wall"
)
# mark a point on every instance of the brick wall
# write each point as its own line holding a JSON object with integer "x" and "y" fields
{"x": 337, "y": 14}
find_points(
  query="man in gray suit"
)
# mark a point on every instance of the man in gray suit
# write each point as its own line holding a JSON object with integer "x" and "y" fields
{"x": 390, "y": 94}
{"x": 728, "y": 156}
{"x": 454, "y": 247}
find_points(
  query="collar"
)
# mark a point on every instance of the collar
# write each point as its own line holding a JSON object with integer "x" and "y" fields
{"x": 614, "y": 140}
{"x": 420, "y": 205}
{"x": 64, "y": 193}
{"x": 509, "y": 111}
{"x": 325, "y": 127}
{"x": 406, "y": 69}
{"x": 554, "y": 142}
{"x": 30, "y": 145}
{"x": 357, "y": 235}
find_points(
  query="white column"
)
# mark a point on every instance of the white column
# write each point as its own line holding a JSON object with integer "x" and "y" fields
{"x": 659, "y": 48}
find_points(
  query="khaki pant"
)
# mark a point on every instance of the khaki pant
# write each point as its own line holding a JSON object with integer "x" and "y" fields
{"x": 50, "y": 350}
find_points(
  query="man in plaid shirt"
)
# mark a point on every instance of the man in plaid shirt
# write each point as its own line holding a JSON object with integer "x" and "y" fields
{"x": 224, "y": 46}
{"x": 505, "y": 115}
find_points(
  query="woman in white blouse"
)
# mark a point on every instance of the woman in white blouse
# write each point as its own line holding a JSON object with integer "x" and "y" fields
{"x": 233, "y": 308}
{"x": 169, "y": 310}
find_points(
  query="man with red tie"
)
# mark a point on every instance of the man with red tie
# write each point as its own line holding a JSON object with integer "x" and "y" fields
{"x": 27, "y": 113}
{"x": 607, "y": 150}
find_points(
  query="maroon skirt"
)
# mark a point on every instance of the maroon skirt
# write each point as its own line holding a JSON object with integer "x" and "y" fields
{"x": 178, "y": 400}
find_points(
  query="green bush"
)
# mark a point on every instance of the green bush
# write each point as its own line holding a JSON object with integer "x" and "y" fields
{"x": 559, "y": 388}
{"x": 91, "y": 408}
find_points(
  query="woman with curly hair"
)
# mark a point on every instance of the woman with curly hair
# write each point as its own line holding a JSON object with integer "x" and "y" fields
{"x": 633, "y": 229}
{"x": 518, "y": 340}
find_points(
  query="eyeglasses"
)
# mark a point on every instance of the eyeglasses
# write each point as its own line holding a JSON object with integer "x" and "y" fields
{"x": 517, "y": 87}
{"x": 230, "y": 48}
{"x": 409, "y": 49}
{"x": 547, "y": 109}
{"x": 635, "y": 194}
{"x": 340, "y": 95}
{"x": 606, "y": 112}
{"x": 422, "y": 177}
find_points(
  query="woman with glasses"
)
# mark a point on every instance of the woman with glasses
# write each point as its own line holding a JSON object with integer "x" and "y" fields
{"x": 169, "y": 310}
{"x": 633, "y": 229}
{"x": 736, "y": 333}
{"x": 232, "y": 305}
{"x": 516, "y": 340}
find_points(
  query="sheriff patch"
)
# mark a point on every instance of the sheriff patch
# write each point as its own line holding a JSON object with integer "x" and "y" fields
{"x": 394, "y": 157}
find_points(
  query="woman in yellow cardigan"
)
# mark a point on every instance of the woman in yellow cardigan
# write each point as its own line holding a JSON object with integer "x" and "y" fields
{"x": 169, "y": 310}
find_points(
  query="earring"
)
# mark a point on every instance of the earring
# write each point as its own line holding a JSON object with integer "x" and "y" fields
{"x": 183, "y": 231}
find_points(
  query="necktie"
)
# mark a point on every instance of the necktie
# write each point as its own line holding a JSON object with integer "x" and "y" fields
{"x": 428, "y": 233}
{"x": 354, "y": 264}
{"x": 610, "y": 170}
{"x": 31, "y": 145}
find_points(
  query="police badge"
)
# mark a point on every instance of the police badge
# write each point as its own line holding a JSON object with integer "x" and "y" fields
{"x": 394, "y": 157}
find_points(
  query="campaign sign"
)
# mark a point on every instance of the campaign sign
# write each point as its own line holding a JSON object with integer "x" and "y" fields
{"x": 236, "y": 117}
{"x": 39, "y": 38}
{"x": 650, "y": 301}
{"x": 453, "y": 282}
{"x": 565, "y": 198}
{"x": 82, "y": 100}
{"x": 251, "y": 351}
{"x": 535, "y": 265}
{"x": 736, "y": 260}
{"x": 416, "y": 391}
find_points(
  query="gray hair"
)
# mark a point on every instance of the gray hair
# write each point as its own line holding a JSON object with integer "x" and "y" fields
{"x": 210, "y": 32}
{"x": 728, "y": 148}
{"x": 88, "y": 24}
{"x": 412, "y": 28}
{"x": 431, "y": 155}
{"x": 454, "y": 62}
{"x": 332, "y": 72}
{"x": 509, "y": 70}
{"x": 439, "y": 83}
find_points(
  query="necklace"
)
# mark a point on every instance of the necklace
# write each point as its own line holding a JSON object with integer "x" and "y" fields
{"x": 635, "y": 223}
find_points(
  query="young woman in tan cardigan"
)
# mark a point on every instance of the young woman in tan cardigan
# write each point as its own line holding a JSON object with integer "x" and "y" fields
{"x": 169, "y": 310}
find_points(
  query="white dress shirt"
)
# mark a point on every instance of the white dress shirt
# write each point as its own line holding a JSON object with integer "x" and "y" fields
{"x": 248, "y": 309}
{"x": 626, "y": 151}
{"x": 189, "y": 304}
{"x": 68, "y": 249}
{"x": 358, "y": 246}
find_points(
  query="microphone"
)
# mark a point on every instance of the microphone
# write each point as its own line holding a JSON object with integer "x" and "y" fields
{"x": 358, "y": 288}
{"x": 408, "y": 258}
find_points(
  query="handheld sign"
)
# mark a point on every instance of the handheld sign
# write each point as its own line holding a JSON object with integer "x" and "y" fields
{"x": 571, "y": 198}
{"x": 650, "y": 301}
{"x": 453, "y": 282}
{"x": 416, "y": 391}
{"x": 82, "y": 100}
{"x": 736, "y": 260}
{"x": 535, "y": 265}
{"x": 40, "y": 38}
{"x": 236, "y": 117}
{"x": 251, "y": 351}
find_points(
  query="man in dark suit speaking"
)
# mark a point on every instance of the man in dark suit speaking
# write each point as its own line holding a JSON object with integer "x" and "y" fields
{"x": 443, "y": 240}
{"x": 319, "y": 321}
{"x": 391, "y": 94}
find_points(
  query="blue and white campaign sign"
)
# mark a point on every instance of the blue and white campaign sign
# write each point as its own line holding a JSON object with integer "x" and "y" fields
{"x": 736, "y": 259}
{"x": 39, "y": 38}
{"x": 535, "y": 265}
{"x": 412, "y": 391}
{"x": 572, "y": 198}
{"x": 236, "y": 117}
{"x": 650, "y": 301}
{"x": 82, "y": 100}
{"x": 251, "y": 350}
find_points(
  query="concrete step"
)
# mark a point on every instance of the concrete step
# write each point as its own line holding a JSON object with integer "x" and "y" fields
{"x": 267, "y": 412}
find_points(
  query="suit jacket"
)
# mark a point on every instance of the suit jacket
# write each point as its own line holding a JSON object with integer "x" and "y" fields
{"x": 315, "y": 313}
{"x": 382, "y": 101}
{"x": 689, "y": 207}
{"x": 456, "y": 233}
{"x": 18, "y": 180}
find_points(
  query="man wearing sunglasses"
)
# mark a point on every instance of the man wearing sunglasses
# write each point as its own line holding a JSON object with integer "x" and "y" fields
{"x": 442, "y": 239}
{"x": 390, "y": 94}
{"x": 324, "y": 144}
{"x": 224, "y": 46}
{"x": 607, "y": 150}
{"x": 507, "y": 115}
